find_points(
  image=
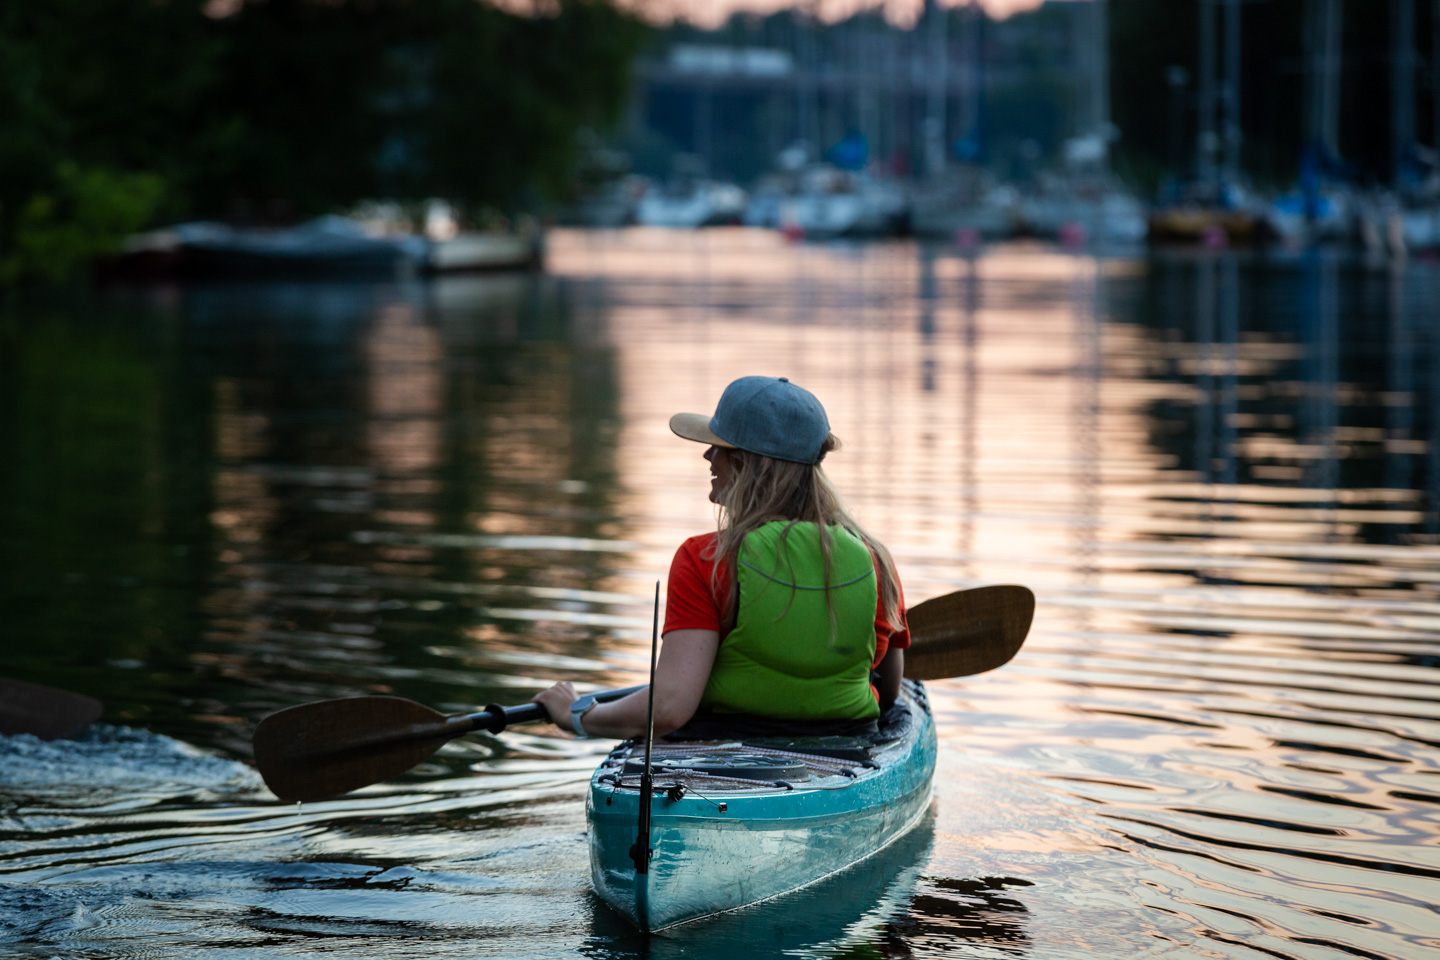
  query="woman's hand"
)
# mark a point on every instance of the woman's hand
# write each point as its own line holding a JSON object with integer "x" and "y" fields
{"x": 680, "y": 678}
{"x": 556, "y": 702}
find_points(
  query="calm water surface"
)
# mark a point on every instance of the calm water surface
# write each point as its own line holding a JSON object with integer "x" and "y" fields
{"x": 1220, "y": 476}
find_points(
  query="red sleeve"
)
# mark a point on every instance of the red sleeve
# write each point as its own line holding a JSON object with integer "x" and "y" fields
{"x": 690, "y": 603}
{"x": 886, "y": 634}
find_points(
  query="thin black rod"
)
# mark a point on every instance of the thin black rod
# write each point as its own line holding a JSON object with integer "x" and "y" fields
{"x": 641, "y": 851}
{"x": 650, "y": 706}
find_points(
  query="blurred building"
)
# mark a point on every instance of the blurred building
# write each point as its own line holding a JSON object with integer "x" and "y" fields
{"x": 955, "y": 86}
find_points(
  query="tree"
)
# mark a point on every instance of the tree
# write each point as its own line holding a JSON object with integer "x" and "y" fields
{"x": 115, "y": 113}
{"x": 101, "y": 116}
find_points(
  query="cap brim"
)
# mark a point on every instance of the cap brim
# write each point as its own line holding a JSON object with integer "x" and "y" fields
{"x": 696, "y": 426}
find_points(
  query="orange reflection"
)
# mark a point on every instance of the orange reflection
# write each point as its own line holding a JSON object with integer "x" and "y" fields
{"x": 404, "y": 390}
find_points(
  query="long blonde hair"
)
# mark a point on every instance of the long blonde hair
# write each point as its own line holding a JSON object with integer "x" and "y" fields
{"x": 763, "y": 490}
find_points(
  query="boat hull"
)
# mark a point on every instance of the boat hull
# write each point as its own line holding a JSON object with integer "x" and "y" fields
{"x": 705, "y": 861}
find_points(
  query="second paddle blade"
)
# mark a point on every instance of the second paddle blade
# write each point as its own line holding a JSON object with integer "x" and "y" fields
{"x": 323, "y": 749}
{"x": 45, "y": 712}
{"x": 969, "y": 632}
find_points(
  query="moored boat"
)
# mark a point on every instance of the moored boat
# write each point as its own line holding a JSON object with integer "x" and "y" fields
{"x": 736, "y": 822}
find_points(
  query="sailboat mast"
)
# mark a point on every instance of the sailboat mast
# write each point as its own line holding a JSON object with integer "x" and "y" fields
{"x": 807, "y": 120}
{"x": 1100, "y": 79}
{"x": 1093, "y": 62}
{"x": 1322, "y": 76}
{"x": 1402, "y": 85}
{"x": 1231, "y": 98}
{"x": 1206, "y": 139}
{"x": 936, "y": 88}
{"x": 1330, "y": 76}
{"x": 969, "y": 107}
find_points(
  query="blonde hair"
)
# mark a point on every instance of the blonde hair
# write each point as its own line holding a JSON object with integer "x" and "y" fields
{"x": 762, "y": 490}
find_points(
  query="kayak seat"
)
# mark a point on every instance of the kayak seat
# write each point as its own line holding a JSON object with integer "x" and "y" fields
{"x": 854, "y": 739}
{"x": 895, "y": 723}
{"x": 708, "y": 725}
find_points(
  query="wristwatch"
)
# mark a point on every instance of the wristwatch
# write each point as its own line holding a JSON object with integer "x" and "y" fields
{"x": 578, "y": 709}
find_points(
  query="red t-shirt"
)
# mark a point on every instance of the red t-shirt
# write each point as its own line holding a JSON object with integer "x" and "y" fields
{"x": 690, "y": 604}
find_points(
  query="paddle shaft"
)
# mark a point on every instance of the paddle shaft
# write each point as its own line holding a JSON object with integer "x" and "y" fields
{"x": 323, "y": 749}
{"x": 493, "y": 719}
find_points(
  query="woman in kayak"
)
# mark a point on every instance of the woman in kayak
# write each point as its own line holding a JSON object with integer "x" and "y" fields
{"x": 788, "y": 644}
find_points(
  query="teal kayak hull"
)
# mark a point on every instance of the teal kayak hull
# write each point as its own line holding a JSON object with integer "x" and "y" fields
{"x": 768, "y": 840}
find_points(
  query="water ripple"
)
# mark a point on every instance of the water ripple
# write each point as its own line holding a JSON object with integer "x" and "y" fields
{"x": 1221, "y": 739}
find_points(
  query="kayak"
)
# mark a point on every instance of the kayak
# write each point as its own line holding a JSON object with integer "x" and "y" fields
{"x": 740, "y": 821}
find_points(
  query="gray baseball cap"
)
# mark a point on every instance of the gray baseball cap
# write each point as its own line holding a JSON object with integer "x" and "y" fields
{"x": 765, "y": 415}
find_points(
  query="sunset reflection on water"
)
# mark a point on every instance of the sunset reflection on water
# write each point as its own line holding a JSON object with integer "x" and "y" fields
{"x": 1218, "y": 668}
{"x": 1219, "y": 473}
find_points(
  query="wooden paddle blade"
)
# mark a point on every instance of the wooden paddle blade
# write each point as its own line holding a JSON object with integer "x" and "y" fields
{"x": 323, "y": 749}
{"x": 968, "y": 632}
{"x": 47, "y": 713}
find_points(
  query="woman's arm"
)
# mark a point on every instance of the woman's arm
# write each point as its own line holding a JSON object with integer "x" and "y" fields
{"x": 891, "y": 671}
{"x": 680, "y": 676}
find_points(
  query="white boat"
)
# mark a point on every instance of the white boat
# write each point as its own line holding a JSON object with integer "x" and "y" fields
{"x": 691, "y": 204}
{"x": 1421, "y": 227}
{"x": 965, "y": 201}
{"x": 831, "y": 202}
{"x": 324, "y": 246}
{"x": 768, "y": 199}
{"x": 479, "y": 252}
{"x": 1103, "y": 213}
{"x": 1327, "y": 215}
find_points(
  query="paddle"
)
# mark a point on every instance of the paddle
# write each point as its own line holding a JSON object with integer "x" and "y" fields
{"x": 319, "y": 750}
{"x": 47, "y": 713}
{"x": 967, "y": 632}
{"x": 323, "y": 749}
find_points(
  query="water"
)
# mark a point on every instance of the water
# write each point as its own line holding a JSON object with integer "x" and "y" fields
{"x": 1221, "y": 476}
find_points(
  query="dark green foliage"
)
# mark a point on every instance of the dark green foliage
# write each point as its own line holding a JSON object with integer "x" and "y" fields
{"x": 99, "y": 118}
{"x": 504, "y": 115}
{"x": 152, "y": 110}
{"x": 408, "y": 99}
{"x": 413, "y": 99}
{"x": 81, "y": 213}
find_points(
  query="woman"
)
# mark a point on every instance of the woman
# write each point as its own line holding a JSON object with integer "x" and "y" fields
{"x": 789, "y": 643}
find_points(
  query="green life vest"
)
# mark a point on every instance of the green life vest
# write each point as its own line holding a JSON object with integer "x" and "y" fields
{"x": 787, "y": 657}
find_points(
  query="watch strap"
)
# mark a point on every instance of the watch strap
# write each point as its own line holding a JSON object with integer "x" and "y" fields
{"x": 578, "y": 709}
